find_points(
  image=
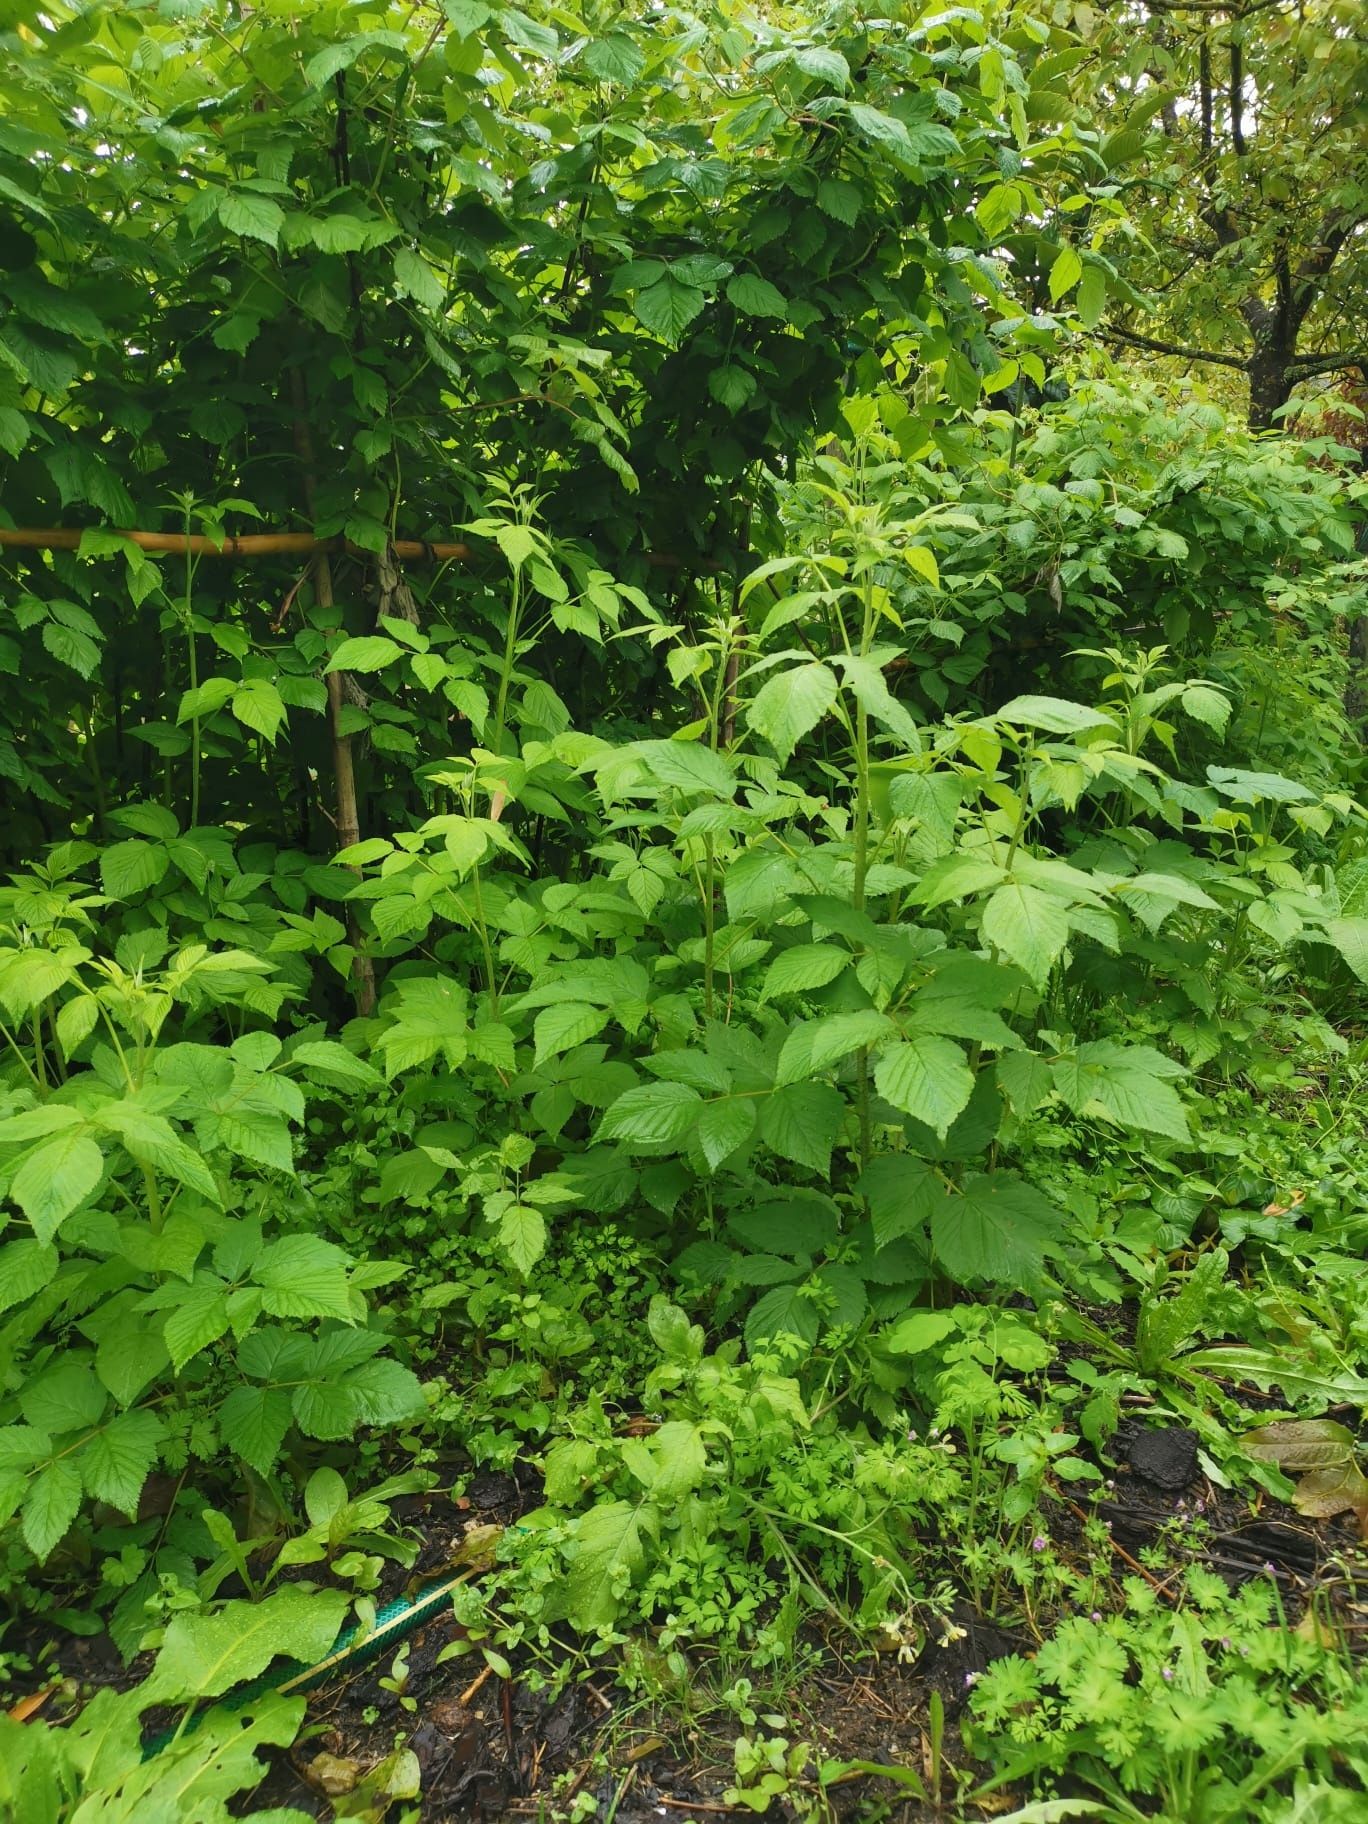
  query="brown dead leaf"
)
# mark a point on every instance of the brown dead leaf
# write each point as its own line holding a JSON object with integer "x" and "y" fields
{"x": 31, "y": 1705}
{"x": 1325, "y": 1492}
{"x": 333, "y": 1775}
{"x": 643, "y": 1750}
{"x": 1294, "y": 1202}
{"x": 1325, "y": 1454}
{"x": 1314, "y": 1627}
{"x": 477, "y": 1547}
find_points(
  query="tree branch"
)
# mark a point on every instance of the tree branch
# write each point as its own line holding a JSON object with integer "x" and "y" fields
{"x": 1175, "y": 349}
{"x": 1282, "y": 281}
{"x": 1198, "y": 7}
{"x": 1204, "y": 77}
{"x": 1303, "y": 367}
{"x": 1317, "y": 265}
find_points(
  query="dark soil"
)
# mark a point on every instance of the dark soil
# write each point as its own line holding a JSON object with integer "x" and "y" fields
{"x": 505, "y": 1751}
{"x": 1161, "y": 1499}
{"x": 492, "y": 1749}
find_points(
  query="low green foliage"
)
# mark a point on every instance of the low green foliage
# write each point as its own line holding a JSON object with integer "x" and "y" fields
{"x": 1205, "y": 1709}
{"x": 96, "y": 1767}
{"x": 814, "y": 967}
{"x": 142, "y": 1159}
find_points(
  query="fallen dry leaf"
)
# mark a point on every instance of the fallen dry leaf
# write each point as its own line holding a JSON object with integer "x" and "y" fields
{"x": 477, "y": 1546}
{"x": 1324, "y": 1453}
{"x": 333, "y": 1774}
{"x": 1285, "y": 1209}
{"x": 31, "y": 1705}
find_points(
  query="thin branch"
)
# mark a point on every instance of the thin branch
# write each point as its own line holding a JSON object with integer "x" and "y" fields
{"x": 1204, "y": 73}
{"x": 1195, "y": 6}
{"x": 1175, "y": 349}
{"x": 1317, "y": 265}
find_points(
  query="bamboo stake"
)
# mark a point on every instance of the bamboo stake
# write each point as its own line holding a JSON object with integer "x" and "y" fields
{"x": 255, "y": 544}
{"x": 270, "y": 544}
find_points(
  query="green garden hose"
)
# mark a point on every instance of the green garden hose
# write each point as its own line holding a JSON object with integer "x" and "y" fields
{"x": 355, "y": 1646}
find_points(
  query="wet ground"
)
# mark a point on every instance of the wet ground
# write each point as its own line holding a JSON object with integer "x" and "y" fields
{"x": 481, "y": 1747}
{"x": 489, "y": 1748}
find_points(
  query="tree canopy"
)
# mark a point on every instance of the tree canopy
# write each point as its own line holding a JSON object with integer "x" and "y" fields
{"x": 1240, "y": 136}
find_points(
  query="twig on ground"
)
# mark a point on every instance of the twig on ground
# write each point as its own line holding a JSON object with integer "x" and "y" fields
{"x": 695, "y": 1805}
{"x": 1125, "y": 1557}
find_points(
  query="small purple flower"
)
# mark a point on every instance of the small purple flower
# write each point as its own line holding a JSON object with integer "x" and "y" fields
{"x": 1225, "y": 1643}
{"x": 1096, "y": 1615}
{"x": 1168, "y": 1674}
{"x": 971, "y": 1679}
{"x": 1039, "y": 1543}
{"x": 1270, "y": 1567}
{"x": 911, "y": 1436}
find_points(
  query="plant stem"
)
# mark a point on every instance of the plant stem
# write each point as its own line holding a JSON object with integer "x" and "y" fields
{"x": 18, "y": 1051}
{"x": 491, "y": 973}
{"x": 194, "y": 675}
{"x": 154, "y": 1206}
{"x": 1023, "y": 791}
{"x": 348, "y": 813}
{"x": 96, "y": 775}
{"x": 509, "y": 656}
{"x": 709, "y": 923}
{"x": 862, "y": 861}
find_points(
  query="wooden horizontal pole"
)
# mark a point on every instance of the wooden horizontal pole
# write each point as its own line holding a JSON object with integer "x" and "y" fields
{"x": 259, "y": 544}
{"x": 255, "y": 544}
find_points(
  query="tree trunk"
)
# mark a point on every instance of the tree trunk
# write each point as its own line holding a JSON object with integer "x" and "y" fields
{"x": 1356, "y": 681}
{"x": 348, "y": 819}
{"x": 1270, "y": 386}
{"x": 1356, "y": 685}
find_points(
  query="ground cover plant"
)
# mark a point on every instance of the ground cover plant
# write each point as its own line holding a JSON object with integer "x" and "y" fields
{"x": 684, "y": 927}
